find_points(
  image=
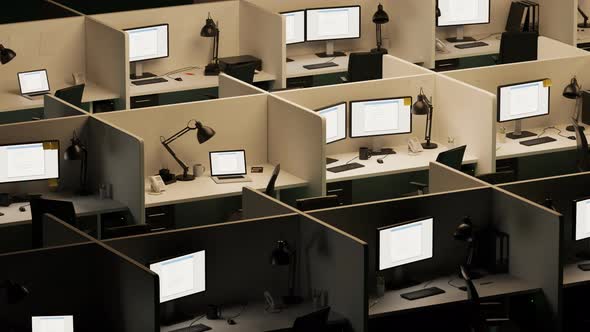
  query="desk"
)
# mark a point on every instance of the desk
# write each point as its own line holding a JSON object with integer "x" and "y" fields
{"x": 401, "y": 162}
{"x": 203, "y": 188}
{"x": 295, "y": 68}
{"x": 456, "y": 53}
{"x": 501, "y": 285}
{"x": 573, "y": 276}
{"x": 13, "y": 101}
{"x": 583, "y": 36}
{"x": 256, "y": 319}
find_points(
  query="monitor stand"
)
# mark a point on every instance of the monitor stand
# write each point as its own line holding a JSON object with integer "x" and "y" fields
{"x": 518, "y": 133}
{"x": 330, "y": 53}
{"x": 460, "y": 36}
{"x": 399, "y": 280}
{"x": 169, "y": 315}
{"x": 139, "y": 73}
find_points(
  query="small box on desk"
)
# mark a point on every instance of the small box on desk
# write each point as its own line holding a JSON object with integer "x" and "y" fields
{"x": 239, "y": 60}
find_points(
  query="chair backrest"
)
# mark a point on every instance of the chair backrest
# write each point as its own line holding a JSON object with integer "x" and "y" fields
{"x": 243, "y": 72}
{"x": 364, "y": 66}
{"x": 316, "y": 203}
{"x": 270, "y": 187}
{"x": 474, "y": 313}
{"x": 453, "y": 157}
{"x": 63, "y": 210}
{"x": 314, "y": 322}
{"x": 518, "y": 47}
{"x": 498, "y": 177}
{"x": 72, "y": 95}
{"x": 582, "y": 148}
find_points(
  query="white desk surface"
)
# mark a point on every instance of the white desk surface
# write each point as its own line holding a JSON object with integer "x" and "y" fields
{"x": 488, "y": 286}
{"x": 13, "y": 101}
{"x": 455, "y": 53}
{"x": 583, "y": 35}
{"x": 513, "y": 149}
{"x": 401, "y": 162}
{"x": 203, "y": 188}
{"x": 254, "y": 318}
{"x": 84, "y": 206}
{"x": 573, "y": 276}
{"x": 295, "y": 68}
{"x": 191, "y": 80}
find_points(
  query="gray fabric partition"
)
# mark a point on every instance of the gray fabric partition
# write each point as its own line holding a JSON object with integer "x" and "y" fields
{"x": 57, "y": 233}
{"x": 256, "y": 204}
{"x": 56, "y": 108}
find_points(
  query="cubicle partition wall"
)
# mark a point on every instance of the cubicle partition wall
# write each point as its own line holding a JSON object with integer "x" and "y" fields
{"x": 393, "y": 67}
{"x": 442, "y": 178}
{"x": 256, "y": 204}
{"x": 232, "y": 87}
{"x": 56, "y": 108}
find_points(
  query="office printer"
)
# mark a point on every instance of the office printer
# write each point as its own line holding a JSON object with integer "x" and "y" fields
{"x": 239, "y": 60}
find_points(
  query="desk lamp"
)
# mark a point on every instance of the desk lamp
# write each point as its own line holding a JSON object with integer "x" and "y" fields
{"x": 423, "y": 106}
{"x": 573, "y": 91}
{"x": 282, "y": 255}
{"x": 466, "y": 233}
{"x": 581, "y": 3}
{"x": 78, "y": 151}
{"x": 379, "y": 18}
{"x": 211, "y": 30}
{"x": 204, "y": 134}
{"x": 6, "y": 55}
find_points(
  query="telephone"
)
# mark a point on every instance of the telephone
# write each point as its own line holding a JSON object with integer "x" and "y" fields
{"x": 271, "y": 305}
{"x": 157, "y": 184}
{"x": 441, "y": 47}
{"x": 414, "y": 145}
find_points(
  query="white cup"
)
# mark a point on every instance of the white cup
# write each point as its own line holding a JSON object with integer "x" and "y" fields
{"x": 198, "y": 170}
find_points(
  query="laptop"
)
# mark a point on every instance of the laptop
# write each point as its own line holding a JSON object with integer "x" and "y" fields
{"x": 53, "y": 323}
{"x": 34, "y": 84}
{"x": 228, "y": 166}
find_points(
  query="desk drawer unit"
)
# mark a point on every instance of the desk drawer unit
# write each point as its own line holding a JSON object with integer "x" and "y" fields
{"x": 145, "y": 101}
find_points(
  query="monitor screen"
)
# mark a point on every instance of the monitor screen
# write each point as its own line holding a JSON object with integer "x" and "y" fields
{"x": 404, "y": 243}
{"x": 53, "y": 324}
{"x": 463, "y": 12}
{"x": 295, "y": 26}
{"x": 333, "y": 23}
{"x": 33, "y": 82}
{"x": 381, "y": 117}
{"x": 148, "y": 43}
{"x": 582, "y": 219}
{"x": 224, "y": 163}
{"x": 181, "y": 276}
{"x": 335, "y": 122}
{"x": 523, "y": 100}
{"x": 29, "y": 162}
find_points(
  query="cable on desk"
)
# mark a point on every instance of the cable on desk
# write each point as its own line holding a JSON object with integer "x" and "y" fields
{"x": 488, "y": 36}
{"x": 371, "y": 305}
{"x": 196, "y": 320}
{"x": 351, "y": 160}
{"x": 178, "y": 71}
{"x": 236, "y": 315}
{"x": 559, "y": 131}
{"x": 450, "y": 282}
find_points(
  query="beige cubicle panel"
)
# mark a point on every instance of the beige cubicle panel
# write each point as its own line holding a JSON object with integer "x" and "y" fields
{"x": 442, "y": 178}
{"x": 232, "y": 87}
{"x": 559, "y": 19}
{"x": 397, "y": 67}
{"x": 553, "y": 49}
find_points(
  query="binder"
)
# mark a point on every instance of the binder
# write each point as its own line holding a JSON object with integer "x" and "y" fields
{"x": 533, "y": 15}
{"x": 517, "y": 17}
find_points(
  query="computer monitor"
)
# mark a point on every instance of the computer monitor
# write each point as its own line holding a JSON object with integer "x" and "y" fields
{"x": 458, "y": 13}
{"x": 581, "y": 213}
{"x": 147, "y": 43}
{"x": 228, "y": 163}
{"x": 522, "y": 101}
{"x": 335, "y": 116}
{"x": 53, "y": 323}
{"x": 295, "y": 27}
{"x": 33, "y": 83}
{"x": 329, "y": 24}
{"x": 404, "y": 243}
{"x": 180, "y": 276}
{"x": 378, "y": 117}
{"x": 29, "y": 161}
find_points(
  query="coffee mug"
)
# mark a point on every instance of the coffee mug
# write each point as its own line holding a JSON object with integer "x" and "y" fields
{"x": 198, "y": 170}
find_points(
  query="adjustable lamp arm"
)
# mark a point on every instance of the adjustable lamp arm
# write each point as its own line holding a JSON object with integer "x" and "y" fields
{"x": 166, "y": 143}
{"x": 583, "y": 14}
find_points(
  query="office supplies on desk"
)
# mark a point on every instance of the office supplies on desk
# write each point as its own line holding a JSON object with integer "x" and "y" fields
{"x": 33, "y": 83}
{"x": 514, "y": 100}
{"x": 364, "y": 153}
{"x": 228, "y": 166}
{"x": 193, "y": 328}
{"x": 422, "y": 293}
{"x": 53, "y": 323}
{"x": 30, "y": 161}
{"x": 211, "y": 30}
{"x": 468, "y": 13}
{"x": 340, "y": 23}
{"x": 424, "y": 106}
{"x": 414, "y": 145}
{"x": 243, "y": 71}
{"x": 537, "y": 141}
{"x": 6, "y": 55}
{"x": 198, "y": 170}
{"x": 471, "y": 45}
{"x": 320, "y": 65}
{"x": 379, "y": 18}
{"x": 440, "y": 46}
{"x": 157, "y": 185}
{"x": 573, "y": 91}
{"x": 295, "y": 27}
{"x": 147, "y": 43}
{"x": 345, "y": 167}
{"x": 149, "y": 81}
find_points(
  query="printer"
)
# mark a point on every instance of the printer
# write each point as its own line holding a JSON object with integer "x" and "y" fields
{"x": 239, "y": 60}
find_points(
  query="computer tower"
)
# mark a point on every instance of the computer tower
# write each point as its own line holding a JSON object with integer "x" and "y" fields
{"x": 586, "y": 107}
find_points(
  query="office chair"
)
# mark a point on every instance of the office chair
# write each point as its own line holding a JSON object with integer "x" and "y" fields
{"x": 317, "y": 203}
{"x": 364, "y": 66}
{"x": 452, "y": 158}
{"x": 582, "y": 149}
{"x": 72, "y": 95}
{"x": 518, "y": 47}
{"x": 314, "y": 322}
{"x": 63, "y": 210}
{"x": 498, "y": 177}
{"x": 243, "y": 72}
{"x": 270, "y": 187}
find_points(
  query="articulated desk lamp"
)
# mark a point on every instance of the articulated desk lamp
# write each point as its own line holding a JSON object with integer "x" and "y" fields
{"x": 6, "y": 54}
{"x": 581, "y": 3}
{"x": 78, "y": 151}
{"x": 204, "y": 134}
{"x": 211, "y": 30}
{"x": 379, "y": 18}
{"x": 282, "y": 255}
{"x": 423, "y": 106}
{"x": 466, "y": 233}
{"x": 574, "y": 91}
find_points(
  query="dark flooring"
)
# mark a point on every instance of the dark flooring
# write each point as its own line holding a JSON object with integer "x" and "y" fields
{"x": 14, "y": 11}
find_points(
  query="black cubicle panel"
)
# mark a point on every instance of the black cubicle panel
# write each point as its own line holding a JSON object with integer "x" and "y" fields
{"x": 55, "y": 233}
{"x": 256, "y": 204}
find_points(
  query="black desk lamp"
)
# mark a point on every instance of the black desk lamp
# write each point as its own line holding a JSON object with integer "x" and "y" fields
{"x": 6, "y": 54}
{"x": 466, "y": 233}
{"x": 204, "y": 133}
{"x": 211, "y": 30}
{"x": 78, "y": 151}
{"x": 423, "y": 106}
{"x": 379, "y": 18}
{"x": 585, "y": 24}
{"x": 11, "y": 292}
{"x": 282, "y": 255}
{"x": 574, "y": 91}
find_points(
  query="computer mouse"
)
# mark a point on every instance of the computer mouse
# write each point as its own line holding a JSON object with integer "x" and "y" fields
{"x": 231, "y": 322}
{"x": 573, "y": 138}
{"x": 22, "y": 209}
{"x": 179, "y": 79}
{"x": 380, "y": 161}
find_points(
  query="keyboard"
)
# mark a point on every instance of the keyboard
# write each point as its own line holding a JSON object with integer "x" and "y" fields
{"x": 344, "y": 168}
{"x": 149, "y": 81}
{"x": 471, "y": 45}
{"x": 230, "y": 177}
{"x": 321, "y": 65}
{"x": 420, "y": 294}
{"x": 537, "y": 141}
{"x": 584, "y": 267}
{"x": 194, "y": 328}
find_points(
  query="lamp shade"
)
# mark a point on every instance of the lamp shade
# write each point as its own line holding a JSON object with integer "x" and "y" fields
{"x": 464, "y": 231}
{"x": 75, "y": 151}
{"x": 421, "y": 106}
{"x": 280, "y": 256}
{"x": 572, "y": 90}
{"x": 380, "y": 16}
{"x": 209, "y": 29}
{"x": 6, "y": 54}
{"x": 204, "y": 133}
